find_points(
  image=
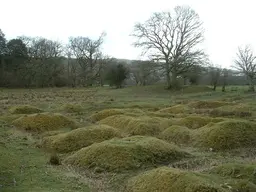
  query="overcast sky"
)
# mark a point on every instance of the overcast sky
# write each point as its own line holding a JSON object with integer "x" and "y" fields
{"x": 227, "y": 24}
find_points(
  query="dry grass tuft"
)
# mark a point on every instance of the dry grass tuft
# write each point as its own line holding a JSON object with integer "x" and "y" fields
{"x": 79, "y": 138}
{"x": 44, "y": 122}
{"x": 24, "y": 109}
{"x": 126, "y": 154}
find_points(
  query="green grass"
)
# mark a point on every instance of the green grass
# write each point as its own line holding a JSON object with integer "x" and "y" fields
{"x": 20, "y": 159}
{"x": 24, "y": 168}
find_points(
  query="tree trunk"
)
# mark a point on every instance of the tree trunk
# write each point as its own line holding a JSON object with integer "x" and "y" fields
{"x": 168, "y": 80}
{"x": 214, "y": 86}
{"x": 251, "y": 85}
{"x": 174, "y": 83}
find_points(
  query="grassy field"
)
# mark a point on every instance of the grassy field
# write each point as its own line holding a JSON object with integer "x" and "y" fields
{"x": 126, "y": 136}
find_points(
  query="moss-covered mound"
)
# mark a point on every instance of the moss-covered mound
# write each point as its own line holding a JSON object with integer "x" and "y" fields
{"x": 104, "y": 114}
{"x": 166, "y": 179}
{"x": 207, "y": 104}
{"x": 195, "y": 122}
{"x": 236, "y": 171}
{"x": 24, "y": 109}
{"x": 44, "y": 122}
{"x": 175, "y": 109}
{"x": 150, "y": 126}
{"x": 126, "y": 154}
{"x": 176, "y": 134}
{"x": 72, "y": 108}
{"x": 79, "y": 138}
{"x": 228, "y": 134}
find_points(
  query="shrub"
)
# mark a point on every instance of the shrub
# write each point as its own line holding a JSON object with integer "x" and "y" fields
{"x": 166, "y": 179}
{"x": 79, "y": 138}
{"x": 44, "y": 122}
{"x": 24, "y": 109}
{"x": 228, "y": 134}
{"x": 126, "y": 154}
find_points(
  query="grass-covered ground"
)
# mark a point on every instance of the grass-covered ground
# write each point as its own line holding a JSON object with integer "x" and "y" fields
{"x": 126, "y": 138}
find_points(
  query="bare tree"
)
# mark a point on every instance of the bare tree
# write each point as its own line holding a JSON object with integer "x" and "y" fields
{"x": 172, "y": 38}
{"x": 214, "y": 72}
{"x": 87, "y": 53}
{"x": 246, "y": 64}
{"x": 144, "y": 72}
{"x": 225, "y": 76}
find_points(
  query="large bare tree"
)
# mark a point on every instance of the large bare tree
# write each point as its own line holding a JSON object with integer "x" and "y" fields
{"x": 172, "y": 38}
{"x": 246, "y": 63}
{"x": 87, "y": 52}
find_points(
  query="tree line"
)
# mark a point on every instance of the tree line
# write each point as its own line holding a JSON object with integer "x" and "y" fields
{"x": 171, "y": 40}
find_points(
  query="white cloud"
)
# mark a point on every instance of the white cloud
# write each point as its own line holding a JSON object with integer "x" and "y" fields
{"x": 228, "y": 24}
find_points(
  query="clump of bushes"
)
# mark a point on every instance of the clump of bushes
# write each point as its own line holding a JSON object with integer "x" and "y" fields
{"x": 44, "y": 122}
{"x": 24, "y": 109}
{"x": 126, "y": 154}
{"x": 79, "y": 138}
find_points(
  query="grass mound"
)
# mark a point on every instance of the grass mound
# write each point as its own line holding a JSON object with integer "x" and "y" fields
{"x": 166, "y": 179}
{"x": 79, "y": 138}
{"x": 195, "y": 122}
{"x": 24, "y": 109}
{"x": 175, "y": 109}
{"x": 71, "y": 108}
{"x": 44, "y": 122}
{"x": 104, "y": 114}
{"x": 150, "y": 126}
{"x": 176, "y": 134}
{"x": 239, "y": 110}
{"x": 207, "y": 104}
{"x": 126, "y": 154}
{"x": 237, "y": 171}
{"x": 228, "y": 134}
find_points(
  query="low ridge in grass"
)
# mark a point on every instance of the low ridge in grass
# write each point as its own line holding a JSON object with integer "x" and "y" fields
{"x": 237, "y": 171}
{"x": 126, "y": 154}
{"x": 175, "y": 109}
{"x": 207, "y": 104}
{"x": 44, "y": 122}
{"x": 229, "y": 134}
{"x": 195, "y": 122}
{"x": 72, "y": 108}
{"x": 166, "y": 179}
{"x": 176, "y": 134}
{"x": 104, "y": 114}
{"x": 144, "y": 125}
{"x": 79, "y": 138}
{"x": 24, "y": 109}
